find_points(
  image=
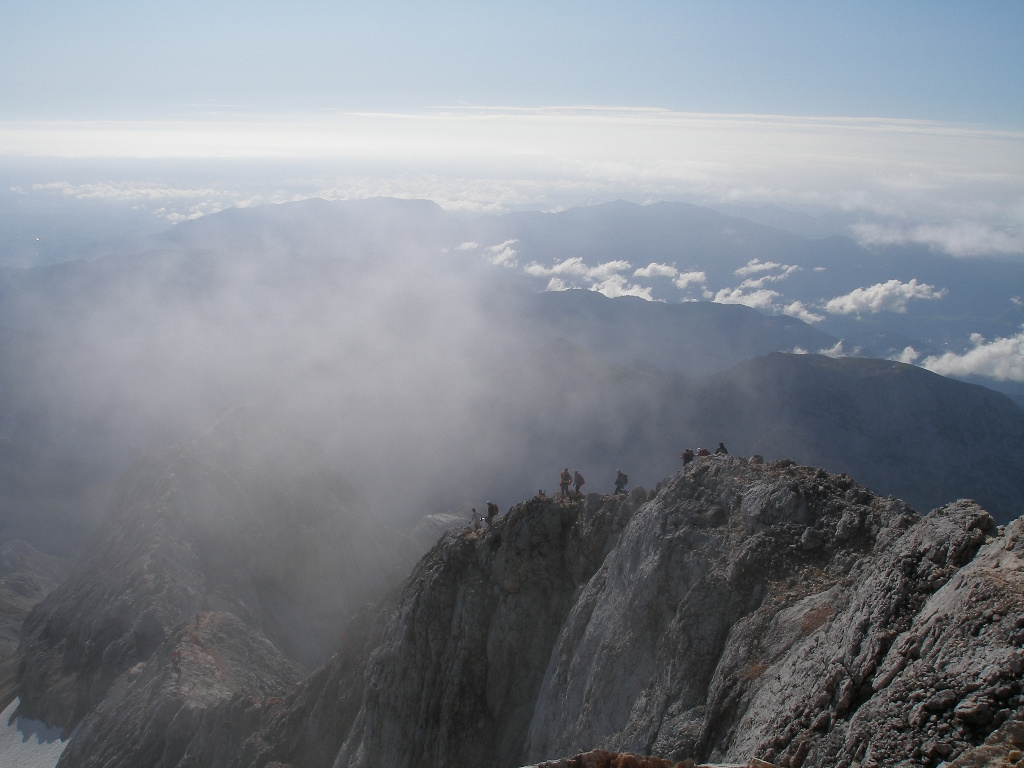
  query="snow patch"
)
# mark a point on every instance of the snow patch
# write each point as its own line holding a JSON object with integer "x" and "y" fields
{"x": 28, "y": 743}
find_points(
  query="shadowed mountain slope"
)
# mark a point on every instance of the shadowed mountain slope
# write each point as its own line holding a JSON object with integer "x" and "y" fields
{"x": 900, "y": 429}
{"x": 245, "y": 520}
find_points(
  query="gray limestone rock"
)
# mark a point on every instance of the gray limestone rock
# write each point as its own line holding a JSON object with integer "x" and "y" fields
{"x": 770, "y": 611}
{"x": 769, "y": 614}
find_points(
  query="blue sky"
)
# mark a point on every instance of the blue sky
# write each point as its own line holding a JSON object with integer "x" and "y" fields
{"x": 902, "y": 121}
{"x": 950, "y": 61}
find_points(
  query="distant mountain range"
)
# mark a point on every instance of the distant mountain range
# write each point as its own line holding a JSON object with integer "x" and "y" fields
{"x": 394, "y": 332}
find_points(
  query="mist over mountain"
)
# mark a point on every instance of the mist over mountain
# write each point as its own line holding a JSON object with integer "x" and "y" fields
{"x": 416, "y": 347}
{"x": 259, "y": 415}
{"x": 246, "y": 519}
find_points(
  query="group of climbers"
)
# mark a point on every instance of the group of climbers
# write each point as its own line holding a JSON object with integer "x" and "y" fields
{"x": 575, "y": 479}
{"x": 477, "y": 522}
{"x": 565, "y": 480}
{"x": 688, "y": 454}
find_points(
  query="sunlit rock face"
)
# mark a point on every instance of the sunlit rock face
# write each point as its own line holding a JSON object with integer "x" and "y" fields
{"x": 771, "y": 611}
{"x": 245, "y": 519}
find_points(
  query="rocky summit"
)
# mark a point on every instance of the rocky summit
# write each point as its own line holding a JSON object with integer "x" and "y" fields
{"x": 740, "y": 613}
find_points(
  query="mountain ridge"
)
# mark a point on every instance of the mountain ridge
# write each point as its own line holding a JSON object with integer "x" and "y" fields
{"x": 740, "y": 610}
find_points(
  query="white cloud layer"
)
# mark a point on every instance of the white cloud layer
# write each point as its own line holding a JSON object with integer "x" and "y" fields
{"x": 756, "y": 265}
{"x": 502, "y": 254}
{"x": 1001, "y": 359}
{"x": 575, "y": 267}
{"x": 685, "y": 279}
{"x": 798, "y": 310}
{"x": 616, "y": 285}
{"x": 908, "y": 355}
{"x": 656, "y": 270}
{"x": 956, "y": 188}
{"x": 892, "y": 296}
{"x": 759, "y": 299}
{"x": 836, "y": 351}
{"x": 968, "y": 238}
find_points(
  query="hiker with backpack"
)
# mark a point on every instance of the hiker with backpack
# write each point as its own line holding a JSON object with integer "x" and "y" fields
{"x": 578, "y": 481}
{"x": 564, "y": 480}
{"x": 492, "y": 512}
{"x": 620, "y": 481}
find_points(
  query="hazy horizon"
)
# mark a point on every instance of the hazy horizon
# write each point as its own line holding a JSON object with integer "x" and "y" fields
{"x": 897, "y": 126}
{"x": 888, "y": 122}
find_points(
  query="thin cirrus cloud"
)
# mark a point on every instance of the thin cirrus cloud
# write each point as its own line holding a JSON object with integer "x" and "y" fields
{"x": 891, "y": 296}
{"x": 921, "y": 174}
{"x": 754, "y": 266}
{"x": 966, "y": 238}
{"x": 1001, "y": 359}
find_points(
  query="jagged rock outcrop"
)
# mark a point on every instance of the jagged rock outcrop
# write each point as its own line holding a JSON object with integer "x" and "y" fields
{"x": 247, "y": 520}
{"x": 768, "y": 613}
{"x": 482, "y": 612}
{"x": 745, "y": 611}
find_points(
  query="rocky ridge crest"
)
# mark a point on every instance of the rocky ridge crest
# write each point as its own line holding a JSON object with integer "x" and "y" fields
{"x": 740, "y": 612}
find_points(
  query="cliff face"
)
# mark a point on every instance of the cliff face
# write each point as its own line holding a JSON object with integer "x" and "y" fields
{"x": 772, "y": 611}
{"x": 457, "y": 673}
{"x": 806, "y": 625}
{"x": 742, "y": 610}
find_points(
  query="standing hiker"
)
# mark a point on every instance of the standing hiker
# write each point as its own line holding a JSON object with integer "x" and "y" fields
{"x": 564, "y": 480}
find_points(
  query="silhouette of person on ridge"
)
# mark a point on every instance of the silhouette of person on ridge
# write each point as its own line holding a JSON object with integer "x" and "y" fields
{"x": 620, "y": 481}
{"x": 564, "y": 480}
